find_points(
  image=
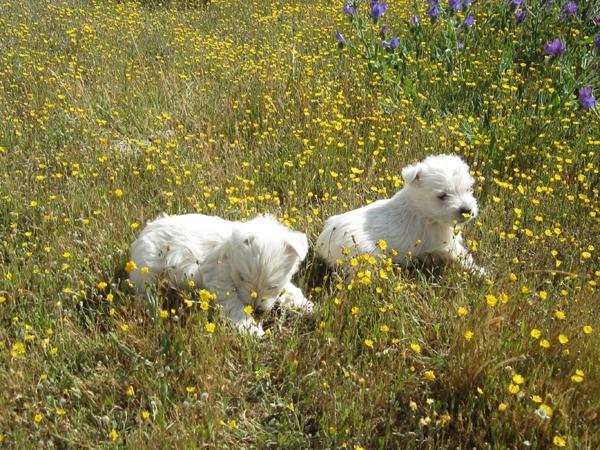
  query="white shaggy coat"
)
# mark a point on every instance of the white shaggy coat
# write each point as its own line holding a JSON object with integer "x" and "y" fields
{"x": 243, "y": 263}
{"x": 420, "y": 221}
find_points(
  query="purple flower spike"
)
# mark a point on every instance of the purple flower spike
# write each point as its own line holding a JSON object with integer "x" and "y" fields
{"x": 569, "y": 9}
{"x": 517, "y": 3}
{"x": 554, "y": 47}
{"x": 597, "y": 41}
{"x": 520, "y": 15}
{"x": 433, "y": 12}
{"x": 586, "y": 98}
{"x": 456, "y": 5}
{"x": 349, "y": 9}
{"x": 378, "y": 9}
{"x": 469, "y": 20}
{"x": 393, "y": 44}
{"x": 414, "y": 20}
{"x": 597, "y": 20}
{"x": 340, "y": 37}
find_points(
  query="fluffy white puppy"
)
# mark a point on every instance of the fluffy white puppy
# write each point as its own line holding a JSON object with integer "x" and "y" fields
{"x": 421, "y": 221}
{"x": 243, "y": 263}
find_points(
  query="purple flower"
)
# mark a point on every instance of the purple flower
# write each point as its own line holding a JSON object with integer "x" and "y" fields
{"x": 378, "y": 9}
{"x": 597, "y": 41}
{"x": 340, "y": 37}
{"x": 433, "y": 12}
{"x": 554, "y": 47}
{"x": 384, "y": 29}
{"x": 520, "y": 15}
{"x": 586, "y": 99}
{"x": 392, "y": 44}
{"x": 597, "y": 20}
{"x": 469, "y": 20}
{"x": 456, "y": 5}
{"x": 414, "y": 20}
{"x": 517, "y": 3}
{"x": 460, "y": 45}
{"x": 433, "y": 2}
{"x": 569, "y": 9}
{"x": 349, "y": 9}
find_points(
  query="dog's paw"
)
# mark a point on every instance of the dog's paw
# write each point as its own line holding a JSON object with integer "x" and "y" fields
{"x": 251, "y": 328}
{"x": 308, "y": 307}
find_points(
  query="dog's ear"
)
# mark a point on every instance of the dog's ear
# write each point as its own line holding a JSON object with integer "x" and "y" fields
{"x": 297, "y": 243}
{"x": 412, "y": 174}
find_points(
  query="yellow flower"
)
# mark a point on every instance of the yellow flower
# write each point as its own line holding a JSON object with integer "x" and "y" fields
{"x": 415, "y": 347}
{"x": 130, "y": 267}
{"x": 102, "y": 285}
{"x": 382, "y": 245}
{"x": 559, "y": 315}
{"x": 384, "y": 328}
{"x": 502, "y": 407}
{"x": 545, "y": 343}
{"x": 548, "y": 409}
{"x": 249, "y": 309}
{"x": 38, "y": 418}
{"x": 355, "y": 310}
{"x": 513, "y": 388}
{"x": 536, "y": 398}
{"x": 18, "y": 348}
{"x": 130, "y": 391}
{"x": 535, "y": 333}
{"x": 164, "y": 313}
{"x": 558, "y": 441}
{"x": 491, "y": 300}
{"x": 578, "y": 376}
{"x": 430, "y": 375}
{"x": 369, "y": 343}
{"x": 118, "y": 193}
{"x": 113, "y": 435}
{"x": 468, "y": 335}
{"x": 518, "y": 379}
{"x": 209, "y": 327}
{"x": 587, "y": 329}
{"x": 462, "y": 311}
{"x": 145, "y": 415}
{"x": 563, "y": 339}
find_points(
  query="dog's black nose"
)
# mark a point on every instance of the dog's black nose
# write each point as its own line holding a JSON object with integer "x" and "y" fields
{"x": 464, "y": 210}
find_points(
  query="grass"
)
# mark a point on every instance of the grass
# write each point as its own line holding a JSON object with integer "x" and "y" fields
{"x": 112, "y": 112}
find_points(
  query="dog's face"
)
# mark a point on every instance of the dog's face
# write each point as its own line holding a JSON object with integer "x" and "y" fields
{"x": 442, "y": 189}
{"x": 262, "y": 256}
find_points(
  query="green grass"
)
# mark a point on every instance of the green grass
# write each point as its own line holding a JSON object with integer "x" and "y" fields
{"x": 112, "y": 112}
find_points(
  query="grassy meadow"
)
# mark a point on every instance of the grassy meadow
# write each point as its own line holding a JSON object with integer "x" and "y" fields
{"x": 112, "y": 112}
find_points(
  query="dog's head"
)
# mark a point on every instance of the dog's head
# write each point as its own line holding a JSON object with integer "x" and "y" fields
{"x": 262, "y": 256}
{"x": 441, "y": 188}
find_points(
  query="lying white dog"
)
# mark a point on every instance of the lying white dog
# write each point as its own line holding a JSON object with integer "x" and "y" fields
{"x": 420, "y": 221}
{"x": 243, "y": 263}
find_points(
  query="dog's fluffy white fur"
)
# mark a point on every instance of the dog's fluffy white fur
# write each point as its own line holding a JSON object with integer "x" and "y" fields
{"x": 419, "y": 221}
{"x": 243, "y": 263}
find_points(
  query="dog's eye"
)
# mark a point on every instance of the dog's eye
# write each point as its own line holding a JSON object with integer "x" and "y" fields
{"x": 443, "y": 196}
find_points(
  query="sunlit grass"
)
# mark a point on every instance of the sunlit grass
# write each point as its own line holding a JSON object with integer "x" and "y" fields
{"x": 112, "y": 112}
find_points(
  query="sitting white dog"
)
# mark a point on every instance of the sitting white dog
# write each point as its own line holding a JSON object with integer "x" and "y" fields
{"x": 421, "y": 221}
{"x": 243, "y": 263}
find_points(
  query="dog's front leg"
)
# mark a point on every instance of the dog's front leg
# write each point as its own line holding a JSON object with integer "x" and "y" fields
{"x": 292, "y": 297}
{"x": 244, "y": 322}
{"x": 460, "y": 254}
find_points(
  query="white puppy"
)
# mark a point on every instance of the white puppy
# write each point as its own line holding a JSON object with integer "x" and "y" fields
{"x": 420, "y": 221}
{"x": 243, "y": 263}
